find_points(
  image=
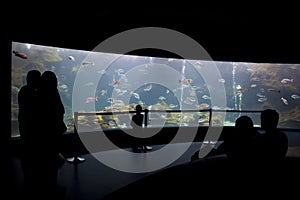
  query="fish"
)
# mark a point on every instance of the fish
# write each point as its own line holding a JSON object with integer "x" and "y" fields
{"x": 91, "y": 99}
{"x": 295, "y": 96}
{"x": 260, "y": 95}
{"x": 119, "y": 70}
{"x": 136, "y": 95}
{"x": 262, "y": 99}
{"x": 20, "y": 55}
{"x": 148, "y": 87}
{"x": 15, "y": 89}
{"x": 87, "y": 63}
{"x": 203, "y": 105}
{"x": 221, "y": 80}
{"x": 172, "y": 105}
{"x": 115, "y": 83}
{"x": 206, "y": 97}
{"x": 287, "y": 80}
{"x": 285, "y": 101}
{"x": 71, "y": 58}
{"x": 162, "y": 98}
{"x": 110, "y": 100}
{"x": 240, "y": 89}
{"x": 186, "y": 80}
{"x": 103, "y": 92}
{"x": 273, "y": 90}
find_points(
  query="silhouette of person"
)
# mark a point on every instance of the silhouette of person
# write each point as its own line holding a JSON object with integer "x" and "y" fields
{"x": 241, "y": 146}
{"x": 274, "y": 143}
{"x": 137, "y": 124}
{"x": 29, "y": 120}
{"x": 53, "y": 128}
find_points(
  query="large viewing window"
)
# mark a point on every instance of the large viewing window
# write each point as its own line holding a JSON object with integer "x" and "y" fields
{"x": 99, "y": 82}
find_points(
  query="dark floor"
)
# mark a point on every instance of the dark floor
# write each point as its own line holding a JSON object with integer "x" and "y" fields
{"x": 94, "y": 179}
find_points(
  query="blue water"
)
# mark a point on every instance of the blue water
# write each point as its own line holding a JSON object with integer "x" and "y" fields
{"x": 95, "y": 82}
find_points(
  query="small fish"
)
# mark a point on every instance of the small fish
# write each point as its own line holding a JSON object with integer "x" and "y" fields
{"x": 115, "y": 83}
{"x": 287, "y": 80}
{"x": 21, "y": 55}
{"x": 71, "y": 58}
{"x": 110, "y": 100}
{"x": 162, "y": 98}
{"x": 103, "y": 92}
{"x": 15, "y": 89}
{"x": 221, "y": 80}
{"x": 186, "y": 80}
{"x": 136, "y": 95}
{"x": 260, "y": 95}
{"x": 295, "y": 96}
{"x": 91, "y": 99}
{"x": 273, "y": 90}
{"x": 203, "y": 105}
{"x": 206, "y": 97}
{"x": 87, "y": 63}
{"x": 262, "y": 99}
{"x": 240, "y": 89}
{"x": 285, "y": 101}
{"x": 119, "y": 70}
{"x": 172, "y": 105}
{"x": 148, "y": 87}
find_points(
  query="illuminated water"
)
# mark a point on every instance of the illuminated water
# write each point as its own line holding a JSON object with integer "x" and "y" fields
{"x": 103, "y": 82}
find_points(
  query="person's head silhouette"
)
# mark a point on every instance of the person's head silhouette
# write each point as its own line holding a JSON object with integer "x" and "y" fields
{"x": 138, "y": 108}
{"x": 269, "y": 119}
{"x": 49, "y": 79}
{"x": 33, "y": 78}
{"x": 244, "y": 122}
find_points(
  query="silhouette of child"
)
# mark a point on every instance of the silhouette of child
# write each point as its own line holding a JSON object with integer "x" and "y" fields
{"x": 137, "y": 124}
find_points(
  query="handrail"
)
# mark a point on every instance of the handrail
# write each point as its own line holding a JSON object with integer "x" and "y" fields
{"x": 146, "y": 111}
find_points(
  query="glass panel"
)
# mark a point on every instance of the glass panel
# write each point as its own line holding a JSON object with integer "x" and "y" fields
{"x": 103, "y": 82}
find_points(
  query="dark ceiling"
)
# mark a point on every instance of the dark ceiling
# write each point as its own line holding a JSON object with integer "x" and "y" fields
{"x": 244, "y": 33}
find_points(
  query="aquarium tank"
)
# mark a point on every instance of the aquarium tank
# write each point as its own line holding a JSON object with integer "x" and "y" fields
{"x": 101, "y": 90}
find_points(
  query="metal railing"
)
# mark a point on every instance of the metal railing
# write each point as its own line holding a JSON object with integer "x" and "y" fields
{"x": 146, "y": 113}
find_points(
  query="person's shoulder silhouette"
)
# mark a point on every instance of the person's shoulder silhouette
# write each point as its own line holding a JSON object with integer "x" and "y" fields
{"x": 242, "y": 145}
{"x": 274, "y": 142}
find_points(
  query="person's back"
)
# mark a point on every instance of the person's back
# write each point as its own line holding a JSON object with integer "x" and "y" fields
{"x": 274, "y": 143}
{"x": 29, "y": 119}
{"x": 53, "y": 106}
{"x": 243, "y": 145}
{"x": 53, "y": 127}
{"x": 28, "y": 102}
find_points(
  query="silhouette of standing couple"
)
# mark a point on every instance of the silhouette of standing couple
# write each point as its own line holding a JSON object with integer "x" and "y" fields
{"x": 41, "y": 126}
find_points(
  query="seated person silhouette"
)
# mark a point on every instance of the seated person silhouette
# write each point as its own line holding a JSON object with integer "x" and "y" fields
{"x": 137, "y": 124}
{"x": 274, "y": 143}
{"x": 241, "y": 146}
